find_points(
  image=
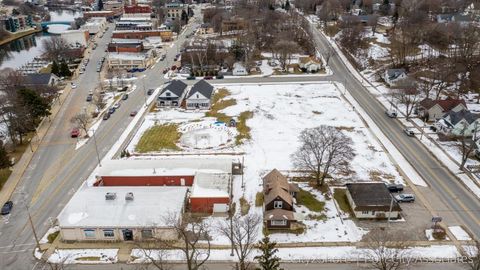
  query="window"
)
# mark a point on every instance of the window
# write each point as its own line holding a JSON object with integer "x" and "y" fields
{"x": 147, "y": 234}
{"x": 89, "y": 233}
{"x": 108, "y": 233}
{"x": 279, "y": 222}
{"x": 168, "y": 94}
{"x": 365, "y": 212}
{"x": 277, "y": 204}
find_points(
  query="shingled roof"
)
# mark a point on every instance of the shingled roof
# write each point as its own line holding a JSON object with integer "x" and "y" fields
{"x": 177, "y": 87}
{"x": 371, "y": 197}
{"x": 456, "y": 117}
{"x": 446, "y": 104}
{"x": 202, "y": 87}
{"x": 276, "y": 185}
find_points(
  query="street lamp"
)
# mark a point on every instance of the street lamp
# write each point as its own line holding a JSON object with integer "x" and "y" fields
{"x": 33, "y": 228}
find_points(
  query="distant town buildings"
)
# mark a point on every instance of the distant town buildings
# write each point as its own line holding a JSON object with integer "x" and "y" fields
{"x": 17, "y": 23}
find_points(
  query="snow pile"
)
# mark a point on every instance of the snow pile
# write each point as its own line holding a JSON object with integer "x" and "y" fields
{"x": 84, "y": 256}
{"x": 459, "y": 233}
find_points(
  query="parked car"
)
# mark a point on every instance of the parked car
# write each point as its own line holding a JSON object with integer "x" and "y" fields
{"x": 433, "y": 128}
{"x": 391, "y": 113}
{"x": 117, "y": 105}
{"x": 163, "y": 57}
{"x": 73, "y": 85}
{"x": 219, "y": 76}
{"x": 106, "y": 115}
{"x": 111, "y": 110}
{"x": 405, "y": 197}
{"x": 395, "y": 187}
{"x": 191, "y": 78}
{"x": 150, "y": 91}
{"x": 208, "y": 77}
{"x": 409, "y": 132}
{"x": 7, "y": 208}
{"x": 165, "y": 71}
{"x": 75, "y": 133}
{"x": 124, "y": 97}
{"x": 89, "y": 98}
{"x": 133, "y": 113}
{"x": 85, "y": 61}
{"x": 81, "y": 71}
{"x": 99, "y": 69}
{"x": 174, "y": 67}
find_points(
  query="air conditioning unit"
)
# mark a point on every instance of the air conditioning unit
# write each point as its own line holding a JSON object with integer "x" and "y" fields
{"x": 129, "y": 196}
{"x": 110, "y": 196}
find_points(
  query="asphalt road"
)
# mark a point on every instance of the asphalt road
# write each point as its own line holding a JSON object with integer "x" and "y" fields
{"x": 57, "y": 169}
{"x": 459, "y": 200}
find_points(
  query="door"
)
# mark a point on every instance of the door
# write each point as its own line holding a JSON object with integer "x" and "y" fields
{"x": 127, "y": 235}
{"x": 182, "y": 181}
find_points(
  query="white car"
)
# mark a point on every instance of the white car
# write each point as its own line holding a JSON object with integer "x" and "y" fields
{"x": 74, "y": 86}
{"x": 117, "y": 105}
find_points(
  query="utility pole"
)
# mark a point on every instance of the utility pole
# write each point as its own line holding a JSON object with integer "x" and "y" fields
{"x": 144, "y": 93}
{"x": 96, "y": 149}
{"x": 33, "y": 228}
{"x": 390, "y": 212}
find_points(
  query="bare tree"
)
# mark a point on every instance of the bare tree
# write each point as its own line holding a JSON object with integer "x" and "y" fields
{"x": 473, "y": 256}
{"x": 386, "y": 250}
{"x": 155, "y": 254}
{"x": 82, "y": 121}
{"x": 243, "y": 233}
{"x": 323, "y": 150}
{"x": 98, "y": 101}
{"x": 284, "y": 50}
{"x": 468, "y": 139}
{"x": 191, "y": 231}
{"x": 407, "y": 96}
{"x": 55, "y": 48}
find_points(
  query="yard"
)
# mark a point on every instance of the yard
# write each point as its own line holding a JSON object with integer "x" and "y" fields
{"x": 159, "y": 137}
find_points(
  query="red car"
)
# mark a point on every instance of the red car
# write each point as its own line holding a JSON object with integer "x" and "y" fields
{"x": 133, "y": 113}
{"x": 208, "y": 77}
{"x": 75, "y": 133}
{"x": 174, "y": 67}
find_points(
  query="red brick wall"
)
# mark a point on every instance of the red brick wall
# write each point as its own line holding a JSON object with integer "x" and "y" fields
{"x": 205, "y": 205}
{"x": 113, "y": 48}
{"x": 146, "y": 180}
{"x": 141, "y": 35}
{"x": 137, "y": 9}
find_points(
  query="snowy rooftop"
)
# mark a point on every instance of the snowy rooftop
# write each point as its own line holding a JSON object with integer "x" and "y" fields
{"x": 166, "y": 166}
{"x": 150, "y": 206}
{"x": 127, "y": 56}
{"x": 211, "y": 185}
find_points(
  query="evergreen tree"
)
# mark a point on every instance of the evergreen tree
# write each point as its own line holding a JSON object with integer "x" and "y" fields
{"x": 287, "y": 5}
{"x": 268, "y": 260}
{"x": 64, "y": 70}
{"x": 4, "y": 158}
{"x": 37, "y": 106}
{"x": 100, "y": 5}
{"x": 184, "y": 17}
{"x": 55, "y": 68}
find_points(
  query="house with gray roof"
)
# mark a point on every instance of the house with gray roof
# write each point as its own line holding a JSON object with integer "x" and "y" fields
{"x": 172, "y": 95}
{"x": 372, "y": 200}
{"x": 393, "y": 76}
{"x": 459, "y": 123}
{"x": 200, "y": 96}
{"x": 41, "y": 80}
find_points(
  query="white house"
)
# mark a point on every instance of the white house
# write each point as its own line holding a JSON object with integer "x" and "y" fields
{"x": 393, "y": 75}
{"x": 239, "y": 69}
{"x": 309, "y": 65}
{"x": 459, "y": 123}
{"x": 200, "y": 96}
{"x": 172, "y": 95}
{"x": 95, "y": 25}
{"x": 130, "y": 213}
{"x": 371, "y": 200}
{"x": 433, "y": 110}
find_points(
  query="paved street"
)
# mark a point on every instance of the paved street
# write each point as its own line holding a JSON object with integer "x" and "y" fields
{"x": 57, "y": 170}
{"x": 456, "y": 200}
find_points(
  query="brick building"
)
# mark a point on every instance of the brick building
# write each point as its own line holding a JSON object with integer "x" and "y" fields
{"x": 134, "y": 9}
{"x": 165, "y": 35}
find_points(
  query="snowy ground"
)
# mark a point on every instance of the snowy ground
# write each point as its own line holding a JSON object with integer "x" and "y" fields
{"x": 459, "y": 233}
{"x": 84, "y": 256}
{"x": 50, "y": 231}
{"x": 339, "y": 254}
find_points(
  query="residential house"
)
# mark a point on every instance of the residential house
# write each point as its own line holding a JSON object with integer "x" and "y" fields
{"x": 172, "y": 95}
{"x": 200, "y": 96}
{"x": 234, "y": 23}
{"x": 204, "y": 29}
{"x": 121, "y": 214}
{"x": 393, "y": 75}
{"x": 279, "y": 197}
{"x": 41, "y": 80}
{"x": 432, "y": 110}
{"x": 239, "y": 69}
{"x": 372, "y": 200}
{"x": 308, "y": 64}
{"x": 459, "y": 123}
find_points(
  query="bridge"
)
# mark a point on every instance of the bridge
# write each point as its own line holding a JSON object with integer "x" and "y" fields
{"x": 46, "y": 24}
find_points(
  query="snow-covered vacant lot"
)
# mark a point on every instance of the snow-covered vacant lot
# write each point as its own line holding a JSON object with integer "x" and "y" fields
{"x": 280, "y": 113}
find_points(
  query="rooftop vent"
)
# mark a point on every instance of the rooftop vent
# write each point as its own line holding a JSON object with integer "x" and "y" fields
{"x": 129, "y": 196}
{"x": 110, "y": 196}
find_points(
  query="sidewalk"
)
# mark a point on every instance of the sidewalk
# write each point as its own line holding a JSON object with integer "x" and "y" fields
{"x": 21, "y": 166}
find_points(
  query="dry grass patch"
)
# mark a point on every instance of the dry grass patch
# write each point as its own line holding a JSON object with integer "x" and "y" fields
{"x": 219, "y": 103}
{"x": 242, "y": 128}
{"x": 349, "y": 129}
{"x": 4, "y": 174}
{"x": 244, "y": 206}
{"x": 159, "y": 137}
{"x": 340, "y": 195}
{"x": 259, "y": 199}
{"x": 377, "y": 175}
